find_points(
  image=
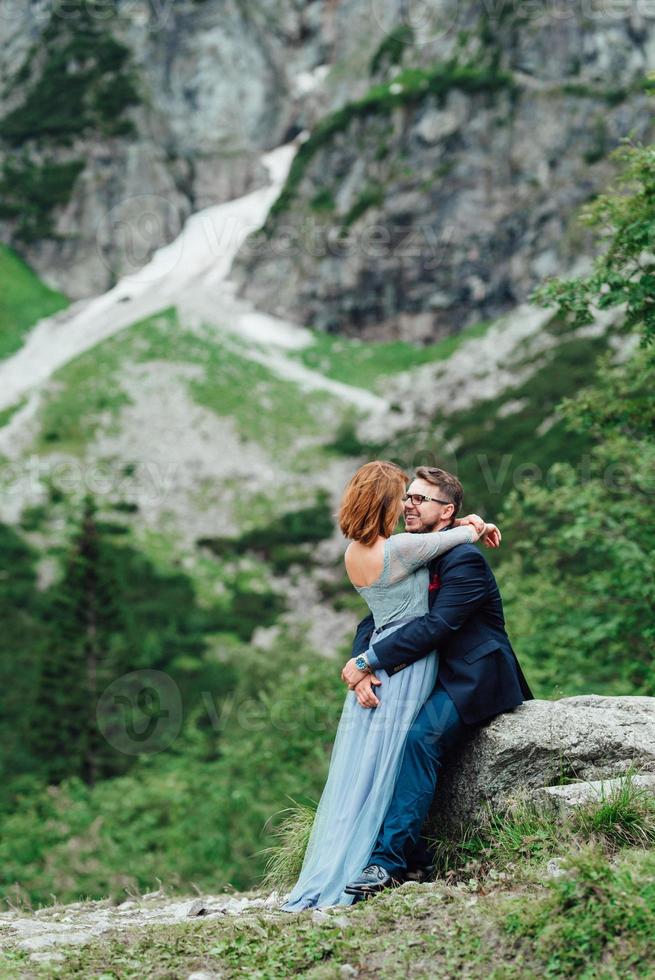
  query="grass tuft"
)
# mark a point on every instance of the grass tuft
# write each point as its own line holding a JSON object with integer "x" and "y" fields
{"x": 286, "y": 856}
{"x": 626, "y": 817}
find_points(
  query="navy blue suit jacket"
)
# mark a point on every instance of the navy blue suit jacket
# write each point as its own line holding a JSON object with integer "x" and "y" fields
{"x": 466, "y": 626}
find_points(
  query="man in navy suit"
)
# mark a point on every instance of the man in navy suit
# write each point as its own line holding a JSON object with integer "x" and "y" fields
{"x": 479, "y": 674}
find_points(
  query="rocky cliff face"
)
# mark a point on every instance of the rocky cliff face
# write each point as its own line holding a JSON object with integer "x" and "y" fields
{"x": 419, "y": 202}
{"x": 447, "y": 192}
{"x": 210, "y": 85}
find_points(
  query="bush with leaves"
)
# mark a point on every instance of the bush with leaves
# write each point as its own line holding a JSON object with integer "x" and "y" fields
{"x": 580, "y": 585}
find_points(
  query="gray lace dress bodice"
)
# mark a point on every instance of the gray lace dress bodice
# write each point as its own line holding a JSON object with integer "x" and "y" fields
{"x": 402, "y": 588}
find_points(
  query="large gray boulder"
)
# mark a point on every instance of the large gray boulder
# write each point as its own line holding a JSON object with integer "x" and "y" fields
{"x": 540, "y": 744}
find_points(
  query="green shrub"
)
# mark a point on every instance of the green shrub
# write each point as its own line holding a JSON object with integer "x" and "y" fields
{"x": 280, "y": 542}
{"x": 195, "y": 815}
{"x": 587, "y": 596}
{"x": 30, "y": 192}
{"x": 391, "y": 50}
{"x": 323, "y": 200}
{"x": 84, "y": 84}
{"x": 371, "y": 197}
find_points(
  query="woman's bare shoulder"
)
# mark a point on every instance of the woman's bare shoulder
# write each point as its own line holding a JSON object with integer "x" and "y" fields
{"x": 362, "y": 561}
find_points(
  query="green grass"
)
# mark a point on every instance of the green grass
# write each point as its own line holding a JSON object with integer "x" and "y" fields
{"x": 624, "y": 817}
{"x": 365, "y": 365}
{"x": 596, "y": 920}
{"x": 275, "y": 413}
{"x": 264, "y": 407}
{"x": 392, "y": 48}
{"x": 24, "y": 299}
{"x": 611, "y": 96}
{"x": 371, "y": 196}
{"x": 7, "y": 414}
{"x": 82, "y": 397}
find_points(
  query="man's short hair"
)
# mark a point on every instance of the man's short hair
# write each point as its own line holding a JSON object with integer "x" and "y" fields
{"x": 448, "y": 485}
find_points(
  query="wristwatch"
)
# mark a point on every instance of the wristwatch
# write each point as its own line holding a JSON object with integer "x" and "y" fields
{"x": 361, "y": 663}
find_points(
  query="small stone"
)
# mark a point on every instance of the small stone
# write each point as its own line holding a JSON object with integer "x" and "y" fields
{"x": 554, "y": 869}
{"x": 47, "y": 957}
{"x": 348, "y": 971}
{"x": 435, "y": 126}
{"x": 318, "y": 916}
{"x": 199, "y": 907}
{"x": 342, "y": 921}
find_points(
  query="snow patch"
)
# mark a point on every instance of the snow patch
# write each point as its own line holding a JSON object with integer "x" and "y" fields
{"x": 191, "y": 274}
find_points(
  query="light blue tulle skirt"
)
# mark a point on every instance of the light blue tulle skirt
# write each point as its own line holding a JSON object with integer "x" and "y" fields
{"x": 364, "y": 766}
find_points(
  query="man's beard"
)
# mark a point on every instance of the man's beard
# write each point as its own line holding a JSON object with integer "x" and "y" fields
{"x": 423, "y": 529}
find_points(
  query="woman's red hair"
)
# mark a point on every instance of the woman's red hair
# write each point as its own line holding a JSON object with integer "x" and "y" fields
{"x": 370, "y": 505}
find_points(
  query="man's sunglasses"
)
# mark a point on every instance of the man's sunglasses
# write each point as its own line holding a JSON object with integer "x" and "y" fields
{"x": 420, "y": 498}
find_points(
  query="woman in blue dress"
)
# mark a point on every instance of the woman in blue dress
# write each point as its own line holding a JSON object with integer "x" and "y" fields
{"x": 390, "y": 573}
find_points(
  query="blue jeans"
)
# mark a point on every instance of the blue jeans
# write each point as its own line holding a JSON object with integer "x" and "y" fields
{"x": 438, "y": 728}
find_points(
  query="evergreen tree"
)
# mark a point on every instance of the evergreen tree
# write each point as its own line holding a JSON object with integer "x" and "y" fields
{"x": 86, "y": 651}
{"x": 21, "y": 643}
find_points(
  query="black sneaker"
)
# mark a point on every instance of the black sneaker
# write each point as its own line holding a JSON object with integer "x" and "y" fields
{"x": 420, "y": 875}
{"x": 373, "y": 879}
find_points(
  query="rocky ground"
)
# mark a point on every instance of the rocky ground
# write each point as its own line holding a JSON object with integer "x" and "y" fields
{"x": 44, "y": 933}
